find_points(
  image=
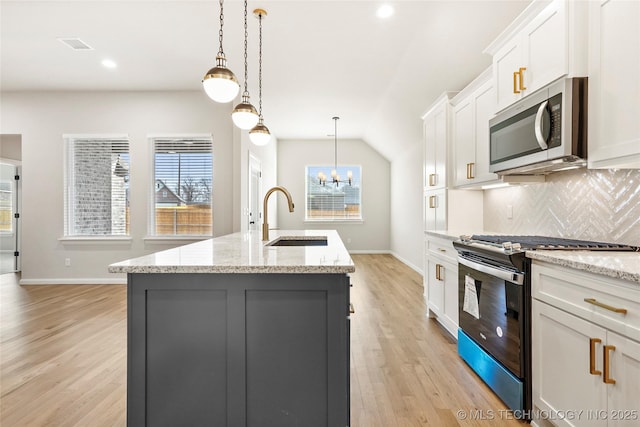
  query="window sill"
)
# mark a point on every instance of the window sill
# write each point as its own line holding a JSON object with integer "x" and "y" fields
{"x": 334, "y": 221}
{"x": 161, "y": 240}
{"x": 116, "y": 240}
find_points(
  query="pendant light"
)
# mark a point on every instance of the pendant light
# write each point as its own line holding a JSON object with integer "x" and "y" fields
{"x": 335, "y": 178}
{"x": 260, "y": 134}
{"x": 244, "y": 114}
{"x": 220, "y": 83}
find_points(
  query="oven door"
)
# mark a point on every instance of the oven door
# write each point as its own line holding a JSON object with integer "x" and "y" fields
{"x": 491, "y": 309}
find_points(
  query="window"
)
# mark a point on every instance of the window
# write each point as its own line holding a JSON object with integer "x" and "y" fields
{"x": 331, "y": 202}
{"x": 96, "y": 185}
{"x": 182, "y": 182}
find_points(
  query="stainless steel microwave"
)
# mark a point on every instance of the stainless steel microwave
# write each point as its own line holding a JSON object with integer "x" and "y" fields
{"x": 542, "y": 133}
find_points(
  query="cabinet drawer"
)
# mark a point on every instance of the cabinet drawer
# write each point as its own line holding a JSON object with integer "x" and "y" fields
{"x": 589, "y": 296}
{"x": 442, "y": 248}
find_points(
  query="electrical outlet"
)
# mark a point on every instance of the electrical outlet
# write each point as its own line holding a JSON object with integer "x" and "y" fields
{"x": 509, "y": 211}
{"x": 67, "y": 262}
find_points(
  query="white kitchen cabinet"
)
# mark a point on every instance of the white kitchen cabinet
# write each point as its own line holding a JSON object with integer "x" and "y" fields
{"x": 541, "y": 46}
{"x": 471, "y": 110}
{"x": 585, "y": 356}
{"x": 435, "y": 210}
{"x": 436, "y": 143}
{"x": 614, "y": 84}
{"x": 441, "y": 282}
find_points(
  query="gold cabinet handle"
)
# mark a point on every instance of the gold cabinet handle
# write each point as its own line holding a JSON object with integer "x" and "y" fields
{"x": 605, "y": 355}
{"x": 592, "y": 356}
{"x": 432, "y": 202}
{"x": 432, "y": 180}
{"x": 470, "y": 171}
{"x": 351, "y": 308}
{"x": 521, "y": 74}
{"x": 605, "y": 306}
{"x": 515, "y": 82}
{"x": 438, "y": 272}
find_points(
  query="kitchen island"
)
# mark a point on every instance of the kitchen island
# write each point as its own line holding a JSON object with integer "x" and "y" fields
{"x": 233, "y": 331}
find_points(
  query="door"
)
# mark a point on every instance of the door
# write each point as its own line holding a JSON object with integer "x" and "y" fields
{"x": 624, "y": 368}
{"x": 9, "y": 218}
{"x": 255, "y": 193}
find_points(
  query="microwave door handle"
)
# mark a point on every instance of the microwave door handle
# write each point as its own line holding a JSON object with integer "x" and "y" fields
{"x": 542, "y": 142}
{"x": 509, "y": 276}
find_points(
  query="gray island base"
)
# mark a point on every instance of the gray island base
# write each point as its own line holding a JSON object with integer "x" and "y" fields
{"x": 257, "y": 348}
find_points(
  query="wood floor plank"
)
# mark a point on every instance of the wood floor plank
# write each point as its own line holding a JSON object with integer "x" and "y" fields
{"x": 63, "y": 356}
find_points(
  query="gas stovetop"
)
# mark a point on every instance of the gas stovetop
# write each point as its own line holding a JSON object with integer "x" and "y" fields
{"x": 522, "y": 243}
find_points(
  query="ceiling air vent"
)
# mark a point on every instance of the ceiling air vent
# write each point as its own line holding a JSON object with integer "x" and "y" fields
{"x": 75, "y": 43}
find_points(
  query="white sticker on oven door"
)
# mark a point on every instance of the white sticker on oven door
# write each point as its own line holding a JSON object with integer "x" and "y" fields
{"x": 470, "y": 304}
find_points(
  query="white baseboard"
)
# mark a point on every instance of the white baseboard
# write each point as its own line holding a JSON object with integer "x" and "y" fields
{"x": 94, "y": 281}
{"x": 404, "y": 261}
{"x": 369, "y": 251}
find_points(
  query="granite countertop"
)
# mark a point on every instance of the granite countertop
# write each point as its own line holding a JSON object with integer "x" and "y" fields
{"x": 247, "y": 253}
{"x": 621, "y": 265}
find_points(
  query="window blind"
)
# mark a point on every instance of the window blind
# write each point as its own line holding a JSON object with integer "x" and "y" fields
{"x": 331, "y": 202}
{"x": 183, "y": 177}
{"x": 97, "y": 186}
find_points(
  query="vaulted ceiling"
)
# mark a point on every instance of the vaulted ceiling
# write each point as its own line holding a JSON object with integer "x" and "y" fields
{"x": 321, "y": 58}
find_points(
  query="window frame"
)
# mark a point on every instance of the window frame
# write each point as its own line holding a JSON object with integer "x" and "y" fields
{"x": 328, "y": 169}
{"x": 69, "y": 176}
{"x": 152, "y": 236}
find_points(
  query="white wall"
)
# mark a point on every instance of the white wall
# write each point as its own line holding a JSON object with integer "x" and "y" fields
{"x": 42, "y": 118}
{"x": 407, "y": 225}
{"x": 11, "y": 147}
{"x": 372, "y": 235}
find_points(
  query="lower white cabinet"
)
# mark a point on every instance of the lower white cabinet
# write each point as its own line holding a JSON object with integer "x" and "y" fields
{"x": 585, "y": 361}
{"x": 441, "y": 282}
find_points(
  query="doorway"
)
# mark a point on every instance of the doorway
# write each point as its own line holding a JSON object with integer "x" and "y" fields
{"x": 255, "y": 193}
{"x": 9, "y": 217}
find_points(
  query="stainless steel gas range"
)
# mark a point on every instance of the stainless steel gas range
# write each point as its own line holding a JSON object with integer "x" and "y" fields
{"x": 494, "y": 336}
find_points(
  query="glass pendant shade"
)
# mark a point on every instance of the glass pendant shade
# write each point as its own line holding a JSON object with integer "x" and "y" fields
{"x": 260, "y": 134}
{"x": 245, "y": 115}
{"x": 220, "y": 83}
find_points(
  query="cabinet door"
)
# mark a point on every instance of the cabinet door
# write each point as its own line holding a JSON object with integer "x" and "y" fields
{"x": 441, "y": 144}
{"x": 429, "y": 153}
{"x": 614, "y": 85}
{"x": 435, "y": 288}
{"x": 463, "y": 141}
{"x": 484, "y": 109}
{"x": 506, "y": 62}
{"x": 435, "y": 210}
{"x": 624, "y": 367}
{"x": 561, "y": 352}
{"x": 545, "y": 46}
{"x": 449, "y": 274}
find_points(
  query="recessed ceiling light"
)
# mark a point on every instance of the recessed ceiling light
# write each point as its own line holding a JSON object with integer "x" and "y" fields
{"x": 107, "y": 63}
{"x": 385, "y": 11}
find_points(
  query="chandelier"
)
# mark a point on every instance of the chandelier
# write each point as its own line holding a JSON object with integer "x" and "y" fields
{"x": 335, "y": 178}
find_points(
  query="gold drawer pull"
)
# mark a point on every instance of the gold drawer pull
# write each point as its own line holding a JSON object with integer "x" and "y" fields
{"x": 432, "y": 202}
{"x": 470, "y": 171}
{"x": 592, "y": 356}
{"x": 605, "y": 306}
{"x": 352, "y": 309}
{"x": 605, "y": 353}
{"x": 438, "y": 272}
{"x": 522, "y": 78}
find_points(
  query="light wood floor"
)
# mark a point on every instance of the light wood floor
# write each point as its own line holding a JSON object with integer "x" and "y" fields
{"x": 63, "y": 356}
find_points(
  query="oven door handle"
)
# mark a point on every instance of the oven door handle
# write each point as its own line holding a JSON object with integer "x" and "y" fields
{"x": 509, "y": 276}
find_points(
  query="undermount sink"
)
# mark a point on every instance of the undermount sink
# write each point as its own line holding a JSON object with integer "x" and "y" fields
{"x": 299, "y": 241}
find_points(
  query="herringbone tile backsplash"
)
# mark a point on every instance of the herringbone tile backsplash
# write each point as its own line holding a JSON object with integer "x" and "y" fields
{"x": 583, "y": 204}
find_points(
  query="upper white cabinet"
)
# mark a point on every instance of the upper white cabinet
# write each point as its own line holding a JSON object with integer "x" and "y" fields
{"x": 545, "y": 42}
{"x": 614, "y": 84}
{"x": 436, "y": 133}
{"x": 471, "y": 111}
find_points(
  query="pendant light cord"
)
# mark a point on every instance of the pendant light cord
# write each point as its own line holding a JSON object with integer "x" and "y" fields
{"x": 260, "y": 67}
{"x": 246, "y": 34}
{"x": 335, "y": 148}
{"x": 221, "y": 51}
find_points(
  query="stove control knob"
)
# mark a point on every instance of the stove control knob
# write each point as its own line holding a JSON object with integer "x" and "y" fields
{"x": 507, "y": 245}
{"x": 516, "y": 246}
